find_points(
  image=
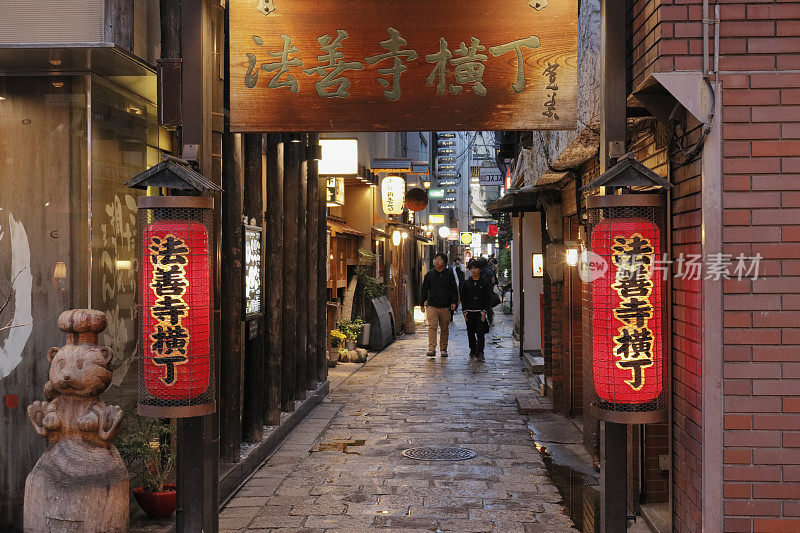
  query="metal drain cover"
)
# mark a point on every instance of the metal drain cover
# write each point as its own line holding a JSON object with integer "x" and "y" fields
{"x": 429, "y": 453}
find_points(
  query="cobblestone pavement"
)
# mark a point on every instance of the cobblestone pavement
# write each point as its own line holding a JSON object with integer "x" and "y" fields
{"x": 342, "y": 469}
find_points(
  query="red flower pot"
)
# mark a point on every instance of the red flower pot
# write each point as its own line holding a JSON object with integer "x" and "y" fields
{"x": 156, "y": 504}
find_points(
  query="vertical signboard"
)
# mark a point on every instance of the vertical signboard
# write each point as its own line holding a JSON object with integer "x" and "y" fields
{"x": 252, "y": 271}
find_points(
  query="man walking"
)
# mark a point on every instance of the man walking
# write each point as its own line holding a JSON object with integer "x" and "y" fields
{"x": 440, "y": 295}
{"x": 476, "y": 302}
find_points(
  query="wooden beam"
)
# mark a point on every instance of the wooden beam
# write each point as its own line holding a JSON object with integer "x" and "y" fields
{"x": 312, "y": 239}
{"x": 301, "y": 346}
{"x": 231, "y": 356}
{"x": 254, "y": 363}
{"x": 201, "y": 100}
{"x": 273, "y": 282}
{"x": 290, "y": 309}
{"x": 322, "y": 285}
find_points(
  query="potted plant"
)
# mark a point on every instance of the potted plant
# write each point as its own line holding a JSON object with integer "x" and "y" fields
{"x": 337, "y": 343}
{"x": 351, "y": 329}
{"x": 148, "y": 449}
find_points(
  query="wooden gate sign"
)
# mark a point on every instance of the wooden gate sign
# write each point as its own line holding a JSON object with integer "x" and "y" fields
{"x": 403, "y": 65}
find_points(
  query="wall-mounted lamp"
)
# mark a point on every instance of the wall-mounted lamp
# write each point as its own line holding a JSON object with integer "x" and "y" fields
{"x": 60, "y": 272}
{"x": 571, "y": 253}
{"x": 396, "y": 238}
{"x": 444, "y": 232}
{"x": 404, "y": 235}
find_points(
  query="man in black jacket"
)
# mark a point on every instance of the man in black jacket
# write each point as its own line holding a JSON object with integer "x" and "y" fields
{"x": 440, "y": 295}
{"x": 476, "y": 302}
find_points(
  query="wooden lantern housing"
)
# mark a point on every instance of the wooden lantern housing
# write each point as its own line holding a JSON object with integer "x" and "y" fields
{"x": 627, "y": 295}
{"x": 176, "y": 299}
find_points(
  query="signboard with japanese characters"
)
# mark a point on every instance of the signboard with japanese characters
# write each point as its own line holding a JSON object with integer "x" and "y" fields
{"x": 627, "y": 350}
{"x": 401, "y": 65}
{"x": 491, "y": 176}
{"x": 393, "y": 193}
{"x": 175, "y": 295}
{"x": 252, "y": 271}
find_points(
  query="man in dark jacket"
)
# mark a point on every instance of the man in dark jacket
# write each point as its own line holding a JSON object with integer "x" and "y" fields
{"x": 440, "y": 295}
{"x": 476, "y": 302}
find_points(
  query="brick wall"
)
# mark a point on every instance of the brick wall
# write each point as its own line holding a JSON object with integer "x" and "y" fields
{"x": 647, "y": 139}
{"x": 761, "y": 215}
{"x": 664, "y": 36}
{"x": 556, "y": 346}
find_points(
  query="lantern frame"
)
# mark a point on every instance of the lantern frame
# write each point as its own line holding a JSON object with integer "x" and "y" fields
{"x": 192, "y": 218}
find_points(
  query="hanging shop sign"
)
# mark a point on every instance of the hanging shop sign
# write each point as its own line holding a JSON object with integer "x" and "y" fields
{"x": 491, "y": 177}
{"x": 435, "y": 219}
{"x": 335, "y": 189}
{"x": 447, "y": 205}
{"x": 380, "y": 66}
{"x": 492, "y": 230}
{"x": 436, "y": 193}
{"x": 627, "y": 351}
{"x": 176, "y": 310}
{"x": 449, "y": 182}
{"x": 393, "y": 190}
{"x": 252, "y": 271}
{"x": 339, "y": 157}
{"x": 466, "y": 237}
{"x": 537, "y": 265}
{"x": 453, "y": 235}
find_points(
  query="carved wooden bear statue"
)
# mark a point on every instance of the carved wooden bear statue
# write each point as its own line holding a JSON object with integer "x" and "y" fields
{"x": 80, "y": 483}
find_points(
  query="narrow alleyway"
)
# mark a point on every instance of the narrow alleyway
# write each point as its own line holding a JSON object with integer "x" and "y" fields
{"x": 342, "y": 469}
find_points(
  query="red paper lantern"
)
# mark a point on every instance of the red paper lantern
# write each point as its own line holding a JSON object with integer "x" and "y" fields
{"x": 492, "y": 230}
{"x": 176, "y": 307}
{"x": 176, "y": 352}
{"x": 627, "y": 350}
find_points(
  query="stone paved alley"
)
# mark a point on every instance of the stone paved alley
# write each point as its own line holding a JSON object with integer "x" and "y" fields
{"x": 342, "y": 469}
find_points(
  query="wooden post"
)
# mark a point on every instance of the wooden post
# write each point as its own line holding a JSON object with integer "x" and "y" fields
{"x": 312, "y": 232}
{"x": 322, "y": 285}
{"x": 301, "y": 346}
{"x": 291, "y": 161}
{"x": 273, "y": 281}
{"x": 613, "y": 127}
{"x": 254, "y": 364}
{"x": 198, "y": 437}
{"x": 230, "y": 406}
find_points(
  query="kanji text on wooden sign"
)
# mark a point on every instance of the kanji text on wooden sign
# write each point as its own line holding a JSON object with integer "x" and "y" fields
{"x": 403, "y": 65}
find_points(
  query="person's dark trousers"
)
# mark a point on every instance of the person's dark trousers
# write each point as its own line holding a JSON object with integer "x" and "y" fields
{"x": 476, "y": 332}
